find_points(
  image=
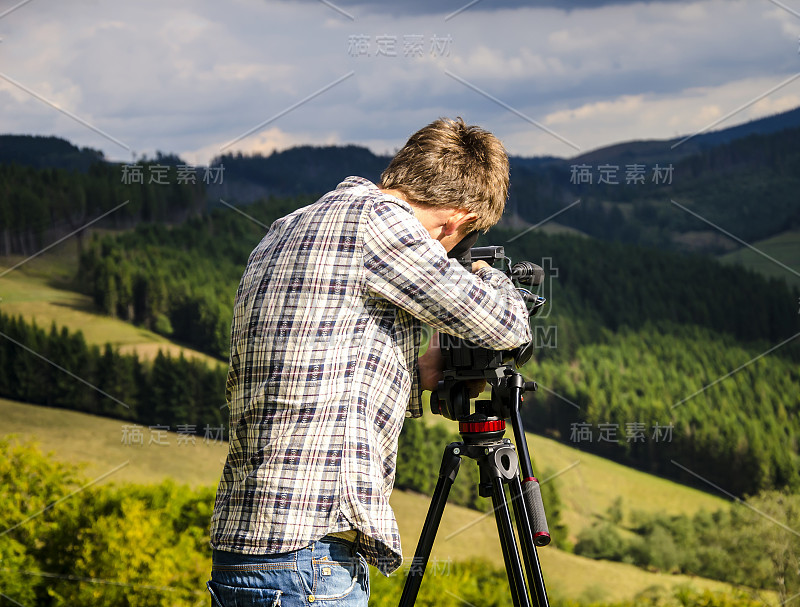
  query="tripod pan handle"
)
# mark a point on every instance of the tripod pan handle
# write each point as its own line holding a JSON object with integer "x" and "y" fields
{"x": 535, "y": 507}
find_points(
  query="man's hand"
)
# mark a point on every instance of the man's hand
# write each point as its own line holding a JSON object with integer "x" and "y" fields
{"x": 477, "y": 265}
{"x": 430, "y": 365}
{"x": 430, "y": 369}
{"x": 475, "y": 387}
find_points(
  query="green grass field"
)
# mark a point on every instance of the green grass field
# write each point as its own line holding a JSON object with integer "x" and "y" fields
{"x": 784, "y": 248}
{"x": 99, "y": 446}
{"x": 40, "y": 291}
{"x": 589, "y": 484}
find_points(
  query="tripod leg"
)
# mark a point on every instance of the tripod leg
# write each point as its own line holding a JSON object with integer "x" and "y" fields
{"x": 532, "y": 566}
{"x": 510, "y": 553}
{"x": 447, "y": 475}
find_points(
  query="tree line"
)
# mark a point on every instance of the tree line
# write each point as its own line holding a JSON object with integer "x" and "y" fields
{"x": 748, "y": 186}
{"x": 595, "y": 287}
{"x": 747, "y": 545}
{"x": 57, "y": 368}
{"x": 731, "y": 415}
{"x": 40, "y": 205}
{"x": 640, "y": 333}
{"x": 179, "y": 281}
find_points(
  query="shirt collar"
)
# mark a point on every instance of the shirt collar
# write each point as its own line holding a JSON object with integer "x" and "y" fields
{"x": 372, "y": 189}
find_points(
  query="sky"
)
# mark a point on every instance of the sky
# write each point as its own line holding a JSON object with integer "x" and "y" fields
{"x": 200, "y": 78}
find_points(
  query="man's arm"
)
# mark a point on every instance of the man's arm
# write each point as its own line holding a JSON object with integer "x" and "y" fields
{"x": 407, "y": 267}
{"x": 430, "y": 367}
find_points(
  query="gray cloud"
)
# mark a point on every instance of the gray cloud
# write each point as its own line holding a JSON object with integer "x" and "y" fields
{"x": 359, "y": 8}
{"x": 189, "y": 77}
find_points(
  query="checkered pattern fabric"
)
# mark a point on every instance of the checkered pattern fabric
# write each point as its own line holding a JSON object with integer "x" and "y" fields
{"x": 323, "y": 368}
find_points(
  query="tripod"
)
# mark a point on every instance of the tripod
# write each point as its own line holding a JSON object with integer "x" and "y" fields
{"x": 483, "y": 441}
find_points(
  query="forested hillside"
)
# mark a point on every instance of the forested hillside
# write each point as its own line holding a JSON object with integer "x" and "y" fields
{"x": 301, "y": 171}
{"x": 608, "y": 302}
{"x": 179, "y": 281}
{"x": 39, "y": 206}
{"x": 747, "y": 186}
{"x": 46, "y": 152}
{"x": 169, "y": 391}
{"x": 637, "y": 336}
{"x": 602, "y": 286}
{"x": 647, "y": 353}
{"x": 176, "y": 270}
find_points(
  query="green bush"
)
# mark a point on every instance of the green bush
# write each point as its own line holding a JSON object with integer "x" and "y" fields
{"x": 751, "y": 545}
{"x": 68, "y": 542}
{"x": 603, "y": 541}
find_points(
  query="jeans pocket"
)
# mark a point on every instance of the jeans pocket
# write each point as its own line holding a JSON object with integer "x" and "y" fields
{"x": 223, "y": 595}
{"x": 334, "y": 578}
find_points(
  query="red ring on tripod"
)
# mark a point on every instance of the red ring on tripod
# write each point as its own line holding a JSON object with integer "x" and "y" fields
{"x": 475, "y": 427}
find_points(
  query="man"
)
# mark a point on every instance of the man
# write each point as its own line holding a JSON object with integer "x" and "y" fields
{"x": 324, "y": 365}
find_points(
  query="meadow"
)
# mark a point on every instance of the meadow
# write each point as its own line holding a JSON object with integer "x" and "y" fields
{"x": 782, "y": 247}
{"x": 587, "y": 490}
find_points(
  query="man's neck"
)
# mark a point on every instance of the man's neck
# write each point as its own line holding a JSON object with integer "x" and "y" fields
{"x": 396, "y": 194}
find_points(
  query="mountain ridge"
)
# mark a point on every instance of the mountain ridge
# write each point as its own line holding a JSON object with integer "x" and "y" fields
{"x": 679, "y": 194}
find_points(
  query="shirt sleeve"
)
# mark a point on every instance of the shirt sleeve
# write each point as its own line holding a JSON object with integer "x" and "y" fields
{"x": 410, "y": 269}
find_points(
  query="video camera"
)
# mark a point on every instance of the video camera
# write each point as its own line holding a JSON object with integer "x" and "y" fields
{"x": 482, "y": 433}
{"x": 465, "y": 360}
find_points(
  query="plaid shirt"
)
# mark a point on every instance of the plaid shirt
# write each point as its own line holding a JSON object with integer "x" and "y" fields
{"x": 323, "y": 368}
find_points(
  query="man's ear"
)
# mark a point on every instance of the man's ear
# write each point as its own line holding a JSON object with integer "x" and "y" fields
{"x": 458, "y": 219}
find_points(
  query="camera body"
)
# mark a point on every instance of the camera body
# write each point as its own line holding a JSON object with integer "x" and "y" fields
{"x": 465, "y": 360}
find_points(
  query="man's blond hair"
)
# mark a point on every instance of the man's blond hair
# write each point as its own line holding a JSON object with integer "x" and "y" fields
{"x": 450, "y": 164}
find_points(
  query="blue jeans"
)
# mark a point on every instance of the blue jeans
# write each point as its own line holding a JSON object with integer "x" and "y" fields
{"x": 328, "y": 572}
